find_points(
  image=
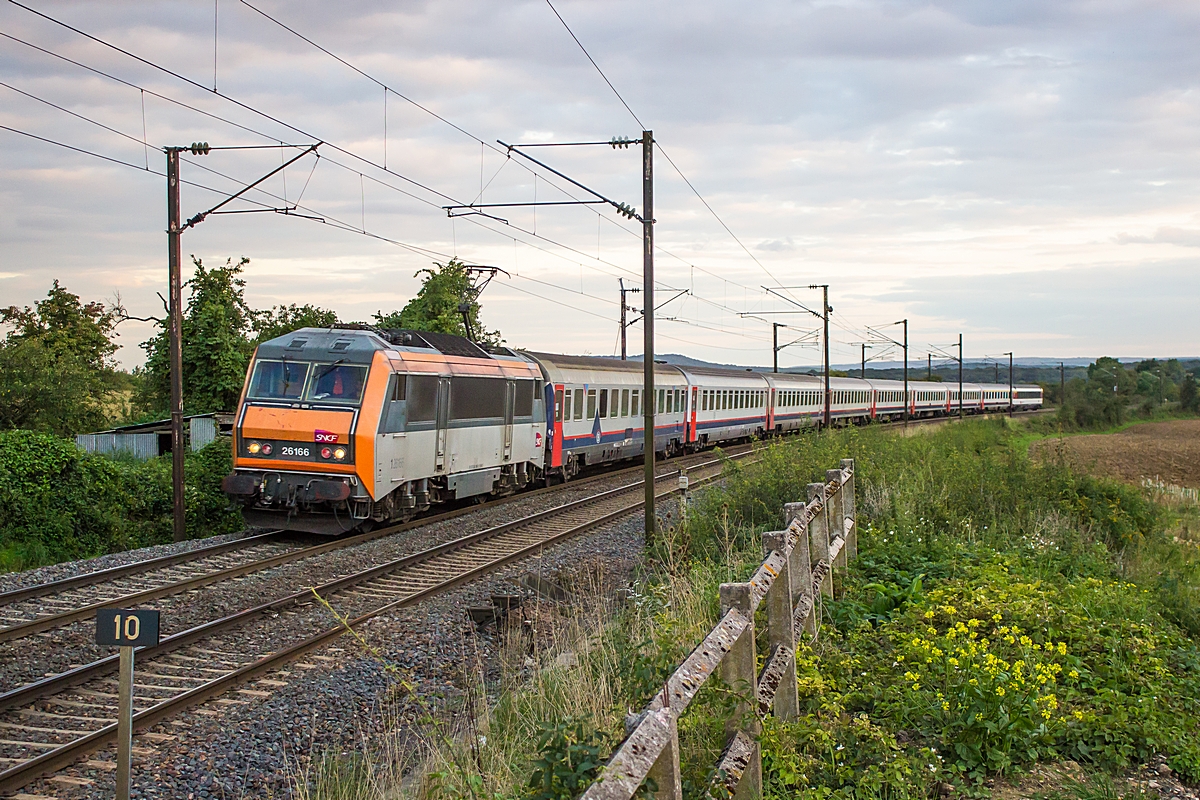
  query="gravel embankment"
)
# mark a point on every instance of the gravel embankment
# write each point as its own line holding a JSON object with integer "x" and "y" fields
{"x": 335, "y": 699}
{"x": 62, "y": 648}
{"x": 69, "y": 569}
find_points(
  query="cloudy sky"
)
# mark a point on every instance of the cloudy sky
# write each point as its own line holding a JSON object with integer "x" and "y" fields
{"x": 1024, "y": 173}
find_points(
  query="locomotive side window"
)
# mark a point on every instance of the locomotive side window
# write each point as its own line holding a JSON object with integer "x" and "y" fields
{"x": 523, "y": 405}
{"x": 422, "y": 398}
{"x": 476, "y": 398}
{"x": 558, "y": 405}
{"x": 392, "y": 419}
{"x": 278, "y": 380}
{"x": 578, "y": 404}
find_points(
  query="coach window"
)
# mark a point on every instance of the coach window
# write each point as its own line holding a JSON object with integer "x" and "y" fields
{"x": 603, "y": 403}
{"x": 578, "y": 404}
{"x": 558, "y": 405}
{"x": 591, "y": 404}
{"x": 633, "y": 403}
{"x": 624, "y": 402}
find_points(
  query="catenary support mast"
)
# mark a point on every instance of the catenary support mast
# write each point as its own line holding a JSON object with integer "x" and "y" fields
{"x": 648, "y": 399}
{"x": 175, "y": 293}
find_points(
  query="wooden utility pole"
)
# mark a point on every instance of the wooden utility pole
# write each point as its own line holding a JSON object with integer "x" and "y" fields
{"x": 175, "y": 282}
{"x": 648, "y": 406}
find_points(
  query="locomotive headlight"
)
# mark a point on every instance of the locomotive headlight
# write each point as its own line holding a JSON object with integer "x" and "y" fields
{"x": 266, "y": 449}
{"x": 254, "y": 447}
{"x": 339, "y": 453}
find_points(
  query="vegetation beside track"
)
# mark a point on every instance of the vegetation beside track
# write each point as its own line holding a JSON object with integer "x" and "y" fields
{"x": 1001, "y": 613}
{"x": 59, "y": 503}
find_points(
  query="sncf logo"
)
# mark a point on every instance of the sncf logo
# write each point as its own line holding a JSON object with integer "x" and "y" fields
{"x": 325, "y": 437}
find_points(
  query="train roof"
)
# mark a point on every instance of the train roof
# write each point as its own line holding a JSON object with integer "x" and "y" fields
{"x": 357, "y": 344}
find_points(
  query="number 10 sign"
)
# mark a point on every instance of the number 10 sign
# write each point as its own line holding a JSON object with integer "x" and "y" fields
{"x": 127, "y": 628}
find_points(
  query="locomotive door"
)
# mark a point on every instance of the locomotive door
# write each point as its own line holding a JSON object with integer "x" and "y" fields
{"x": 443, "y": 422}
{"x": 510, "y": 400}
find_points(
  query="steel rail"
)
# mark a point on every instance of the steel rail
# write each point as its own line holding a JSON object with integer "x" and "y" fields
{"x": 63, "y": 618}
{"x": 126, "y": 570}
{"x": 21, "y": 774}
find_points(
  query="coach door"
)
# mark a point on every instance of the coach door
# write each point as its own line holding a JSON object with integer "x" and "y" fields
{"x": 510, "y": 401}
{"x": 443, "y": 422}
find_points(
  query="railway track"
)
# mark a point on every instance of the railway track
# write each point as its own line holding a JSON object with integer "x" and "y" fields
{"x": 35, "y": 609}
{"x": 50, "y": 724}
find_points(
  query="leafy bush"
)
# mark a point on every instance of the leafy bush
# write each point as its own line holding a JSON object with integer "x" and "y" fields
{"x": 571, "y": 753}
{"x": 59, "y": 503}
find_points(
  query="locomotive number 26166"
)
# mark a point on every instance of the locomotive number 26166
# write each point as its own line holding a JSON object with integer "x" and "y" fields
{"x": 303, "y": 452}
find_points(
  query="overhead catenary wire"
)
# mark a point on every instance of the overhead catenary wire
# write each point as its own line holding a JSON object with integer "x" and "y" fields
{"x": 483, "y": 143}
{"x": 334, "y": 162}
{"x": 296, "y": 129}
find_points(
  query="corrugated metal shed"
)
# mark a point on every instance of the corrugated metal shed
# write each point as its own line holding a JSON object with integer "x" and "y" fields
{"x": 150, "y": 439}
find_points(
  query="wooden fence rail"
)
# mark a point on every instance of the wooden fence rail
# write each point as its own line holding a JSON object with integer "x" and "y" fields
{"x": 820, "y": 537}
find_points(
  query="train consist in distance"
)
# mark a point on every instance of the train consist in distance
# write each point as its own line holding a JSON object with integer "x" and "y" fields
{"x": 342, "y": 428}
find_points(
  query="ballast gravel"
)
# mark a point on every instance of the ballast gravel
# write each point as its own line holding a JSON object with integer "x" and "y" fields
{"x": 63, "y": 648}
{"x": 259, "y": 743}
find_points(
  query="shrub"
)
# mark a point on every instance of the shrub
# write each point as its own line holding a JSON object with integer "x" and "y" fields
{"x": 59, "y": 503}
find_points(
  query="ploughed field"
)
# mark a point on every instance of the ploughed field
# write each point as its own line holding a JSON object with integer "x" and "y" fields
{"x": 1168, "y": 451}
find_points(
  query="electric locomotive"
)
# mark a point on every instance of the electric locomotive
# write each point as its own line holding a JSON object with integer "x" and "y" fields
{"x": 347, "y": 427}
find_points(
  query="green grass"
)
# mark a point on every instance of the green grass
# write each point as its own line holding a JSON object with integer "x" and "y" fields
{"x": 1001, "y": 613}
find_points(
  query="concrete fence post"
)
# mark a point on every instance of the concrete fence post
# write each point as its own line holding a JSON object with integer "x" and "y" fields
{"x": 665, "y": 772}
{"x": 801, "y": 566}
{"x": 837, "y": 514}
{"x": 739, "y": 670}
{"x": 850, "y": 509}
{"x": 781, "y": 633}
{"x": 819, "y": 535}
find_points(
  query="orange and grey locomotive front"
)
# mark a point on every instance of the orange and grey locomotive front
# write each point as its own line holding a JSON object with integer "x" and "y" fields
{"x": 343, "y": 428}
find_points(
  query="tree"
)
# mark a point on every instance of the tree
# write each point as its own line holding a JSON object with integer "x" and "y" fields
{"x": 216, "y": 345}
{"x": 436, "y": 306}
{"x": 56, "y": 364}
{"x": 63, "y": 324}
{"x": 1188, "y": 397}
{"x": 281, "y": 319}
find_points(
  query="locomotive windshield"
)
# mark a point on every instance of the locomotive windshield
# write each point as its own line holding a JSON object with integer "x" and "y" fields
{"x": 342, "y": 383}
{"x": 302, "y": 380}
{"x": 279, "y": 380}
